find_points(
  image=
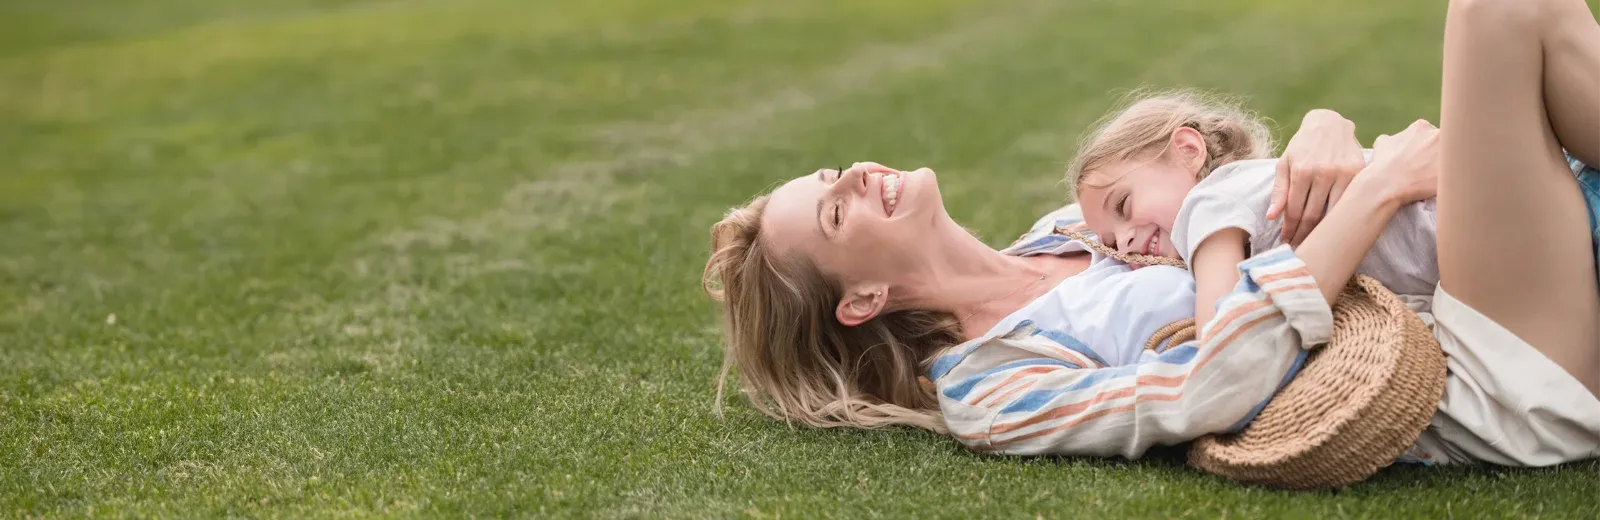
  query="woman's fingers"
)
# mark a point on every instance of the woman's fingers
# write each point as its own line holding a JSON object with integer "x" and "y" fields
{"x": 1298, "y": 192}
{"x": 1280, "y": 189}
{"x": 1337, "y": 191}
{"x": 1316, "y": 203}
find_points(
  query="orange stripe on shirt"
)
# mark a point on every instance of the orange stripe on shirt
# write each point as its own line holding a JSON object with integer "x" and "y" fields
{"x": 1015, "y": 376}
{"x": 1228, "y": 340}
{"x": 1164, "y": 382}
{"x": 1092, "y": 416}
{"x": 1269, "y": 278}
{"x": 1149, "y": 381}
{"x": 1065, "y": 410}
{"x": 1075, "y": 357}
{"x": 1008, "y": 393}
{"x": 1223, "y": 321}
{"x": 1298, "y": 286}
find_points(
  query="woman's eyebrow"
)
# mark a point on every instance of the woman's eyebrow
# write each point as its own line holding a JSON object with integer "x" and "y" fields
{"x": 820, "y": 228}
{"x": 821, "y": 201}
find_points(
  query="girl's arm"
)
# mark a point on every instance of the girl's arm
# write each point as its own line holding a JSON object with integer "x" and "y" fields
{"x": 1216, "y": 269}
{"x": 1403, "y": 170}
{"x": 1331, "y": 254}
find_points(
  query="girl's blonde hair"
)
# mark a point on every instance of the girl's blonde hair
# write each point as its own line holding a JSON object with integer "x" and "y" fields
{"x": 1143, "y": 128}
{"x": 794, "y": 360}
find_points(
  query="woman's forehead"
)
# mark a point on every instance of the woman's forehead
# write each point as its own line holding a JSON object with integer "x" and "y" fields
{"x": 791, "y": 216}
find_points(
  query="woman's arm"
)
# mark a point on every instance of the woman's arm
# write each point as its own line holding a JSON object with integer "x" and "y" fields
{"x": 1404, "y": 169}
{"x": 1017, "y": 396}
{"x": 1317, "y": 166}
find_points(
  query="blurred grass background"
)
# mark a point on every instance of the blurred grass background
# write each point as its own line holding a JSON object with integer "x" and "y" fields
{"x": 385, "y": 258}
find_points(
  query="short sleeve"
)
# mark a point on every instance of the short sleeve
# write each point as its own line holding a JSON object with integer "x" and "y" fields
{"x": 1211, "y": 207}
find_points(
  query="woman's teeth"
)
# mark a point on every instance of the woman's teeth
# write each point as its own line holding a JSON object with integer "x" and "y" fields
{"x": 891, "y": 192}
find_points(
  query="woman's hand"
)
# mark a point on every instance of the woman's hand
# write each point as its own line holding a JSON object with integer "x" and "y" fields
{"x": 1405, "y": 166}
{"x": 1316, "y": 168}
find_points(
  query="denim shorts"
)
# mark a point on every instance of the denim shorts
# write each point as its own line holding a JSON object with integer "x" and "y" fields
{"x": 1589, "y": 181}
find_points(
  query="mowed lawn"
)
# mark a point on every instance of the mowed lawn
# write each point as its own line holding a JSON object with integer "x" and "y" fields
{"x": 302, "y": 258}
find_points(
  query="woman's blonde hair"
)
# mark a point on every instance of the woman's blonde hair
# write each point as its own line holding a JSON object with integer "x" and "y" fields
{"x": 794, "y": 360}
{"x": 1143, "y": 129}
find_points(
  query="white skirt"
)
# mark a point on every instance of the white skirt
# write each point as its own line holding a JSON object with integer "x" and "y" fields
{"x": 1505, "y": 402}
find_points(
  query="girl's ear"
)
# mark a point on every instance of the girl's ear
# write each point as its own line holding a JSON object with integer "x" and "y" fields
{"x": 1189, "y": 148}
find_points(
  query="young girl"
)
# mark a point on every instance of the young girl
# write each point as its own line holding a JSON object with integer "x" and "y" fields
{"x": 1177, "y": 174}
{"x": 1181, "y": 175}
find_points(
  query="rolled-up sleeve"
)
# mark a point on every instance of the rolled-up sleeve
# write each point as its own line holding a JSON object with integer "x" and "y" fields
{"x": 1012, "y": 395}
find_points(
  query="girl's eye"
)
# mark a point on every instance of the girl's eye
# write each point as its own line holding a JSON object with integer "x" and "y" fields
{"x": 1122, "y": 207}
{"x": 837, "y": 218}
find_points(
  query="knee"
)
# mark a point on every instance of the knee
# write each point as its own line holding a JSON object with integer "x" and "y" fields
{"x": 1517, "y": 15}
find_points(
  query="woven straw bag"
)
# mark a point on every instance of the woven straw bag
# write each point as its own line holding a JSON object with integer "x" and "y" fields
{"x": 1358, "y": 403}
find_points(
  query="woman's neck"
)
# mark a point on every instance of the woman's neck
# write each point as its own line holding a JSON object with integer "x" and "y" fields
{"x": 980, "y": 285}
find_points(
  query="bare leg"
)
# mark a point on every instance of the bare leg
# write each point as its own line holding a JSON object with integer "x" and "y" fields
{"x": 1572, "y": 82}
{"x": 1514, "y": 240}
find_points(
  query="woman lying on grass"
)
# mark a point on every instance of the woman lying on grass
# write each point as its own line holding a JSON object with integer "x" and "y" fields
{"x": 843, "y": 289}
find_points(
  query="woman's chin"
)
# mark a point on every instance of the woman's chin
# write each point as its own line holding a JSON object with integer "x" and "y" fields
{"x": 921, "y": 195}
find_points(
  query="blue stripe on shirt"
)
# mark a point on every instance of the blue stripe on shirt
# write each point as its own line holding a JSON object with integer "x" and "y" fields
{"x": 1037, "y": 244}
{"x": 1066, "y": 340}
{"x": 947, "y": 362}
{"x": 1036, "y": 399}
{"x": 1033, "y": 400}
{"x": 960, "y": 390}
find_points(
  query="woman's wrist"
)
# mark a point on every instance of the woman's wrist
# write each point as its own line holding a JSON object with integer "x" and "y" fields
{"x": 1372, "y": 187}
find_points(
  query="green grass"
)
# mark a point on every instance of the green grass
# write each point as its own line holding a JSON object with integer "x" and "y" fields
{"x": 387, "y": 258}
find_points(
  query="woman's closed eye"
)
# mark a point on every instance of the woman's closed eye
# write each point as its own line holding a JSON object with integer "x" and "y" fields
{"x": 1122, "y": 207}
{"x": 838, "y": 217}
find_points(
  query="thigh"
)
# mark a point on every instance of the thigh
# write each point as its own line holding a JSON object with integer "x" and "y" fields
{"x": 1514, "y": 239}
{"x": 1572, "y": 80}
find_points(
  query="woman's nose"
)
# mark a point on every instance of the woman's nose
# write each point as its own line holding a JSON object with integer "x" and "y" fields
{"x": 851, "y": 180}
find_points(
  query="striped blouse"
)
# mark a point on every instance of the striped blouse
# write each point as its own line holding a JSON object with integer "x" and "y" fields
{"x": 1030, "y": 388}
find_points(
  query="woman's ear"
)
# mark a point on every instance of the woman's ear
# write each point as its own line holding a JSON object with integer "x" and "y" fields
{"x": 1189, "y": 148}
{"x": 861, "y": 304}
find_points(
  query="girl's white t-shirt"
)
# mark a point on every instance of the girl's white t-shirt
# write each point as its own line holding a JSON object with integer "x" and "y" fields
{"x": 1405, "y": 258}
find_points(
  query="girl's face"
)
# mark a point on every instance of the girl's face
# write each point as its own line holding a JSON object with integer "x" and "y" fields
{"x": 1134, "y": 211}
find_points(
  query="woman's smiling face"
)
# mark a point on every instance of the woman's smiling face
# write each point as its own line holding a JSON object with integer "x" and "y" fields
{"x": 859, "y": 225}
